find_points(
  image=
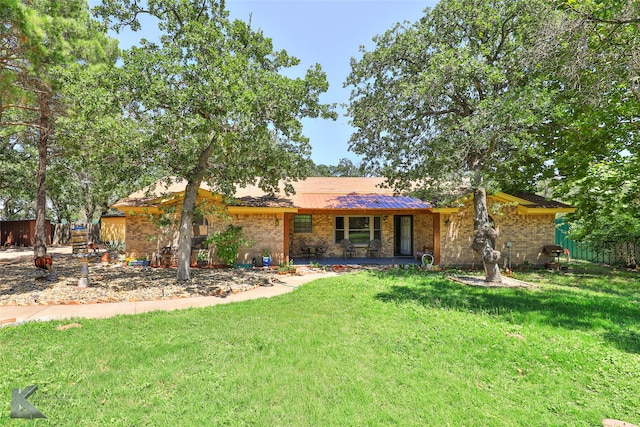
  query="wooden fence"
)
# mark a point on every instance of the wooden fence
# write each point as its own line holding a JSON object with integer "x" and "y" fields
{"x": 21, "y": 232}
{"x": 62, "y": 233}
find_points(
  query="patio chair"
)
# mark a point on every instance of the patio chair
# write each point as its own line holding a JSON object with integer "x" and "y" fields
{"x": 349, "y": 249}
{"x": 321, "y": 250}
{"x": 306, "y": 251}
{"x": 374, "y": 248}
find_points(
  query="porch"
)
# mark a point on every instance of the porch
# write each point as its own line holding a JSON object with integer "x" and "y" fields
{"x": 386, "y": 262}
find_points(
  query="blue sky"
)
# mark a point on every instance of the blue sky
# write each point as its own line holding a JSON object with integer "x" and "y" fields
{"x": 328, "y": 32}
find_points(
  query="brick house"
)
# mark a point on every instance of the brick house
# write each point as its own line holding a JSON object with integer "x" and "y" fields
{"x": 326, "y": 210}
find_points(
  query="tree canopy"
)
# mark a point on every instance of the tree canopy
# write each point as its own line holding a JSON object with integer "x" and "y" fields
{"x": 590, "y": 50}
{"x": 213, "y": 101}
{"x": 445, "y": 103}
{"x": 38, "y": 40}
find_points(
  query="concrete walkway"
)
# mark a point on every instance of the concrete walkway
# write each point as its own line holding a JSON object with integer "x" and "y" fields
{"x": 19, "y": 314}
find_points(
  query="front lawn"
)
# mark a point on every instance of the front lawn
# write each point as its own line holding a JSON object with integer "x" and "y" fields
{"x": 375, "y": 348}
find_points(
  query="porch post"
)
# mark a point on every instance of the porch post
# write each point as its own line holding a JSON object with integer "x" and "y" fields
{"x": 285, "y": 238}
{"x": 436, "y": 238}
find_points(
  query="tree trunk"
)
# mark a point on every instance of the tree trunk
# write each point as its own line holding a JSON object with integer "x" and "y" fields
{"x": 89, "y": 210}
{"x": 484, "y": 237}
{"x": 186, "y": 216}
{"x": 186, "y": 229}
{"x": 40, "y": 241}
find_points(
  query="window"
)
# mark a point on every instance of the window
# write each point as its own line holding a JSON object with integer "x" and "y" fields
{"x": 359, "y": 229}
{"x": 200, "y": 225}
{"x": 302, "y": 223}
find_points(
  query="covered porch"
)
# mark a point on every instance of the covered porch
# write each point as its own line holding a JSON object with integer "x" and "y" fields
{"x": 383, "y": 261}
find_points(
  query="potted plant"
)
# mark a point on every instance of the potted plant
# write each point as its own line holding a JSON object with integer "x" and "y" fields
{"x": 202, "y": 257}
{"x": 266, "y": 257}
{"x": 114, "y": 249}
{"x": 285, "y": 268}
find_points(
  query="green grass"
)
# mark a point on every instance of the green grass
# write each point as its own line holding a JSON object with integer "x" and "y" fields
{"x": 380, "y": 348}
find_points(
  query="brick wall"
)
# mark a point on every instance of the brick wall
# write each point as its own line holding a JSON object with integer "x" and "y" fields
{"x": 528, "y": 233}
{"x": 423, "y": 232}
{"x": 265, "y": 231}
{"x": 143, "y": 238}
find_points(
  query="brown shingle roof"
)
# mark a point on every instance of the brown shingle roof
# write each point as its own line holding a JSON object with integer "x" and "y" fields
{"x": 540, "y": 202}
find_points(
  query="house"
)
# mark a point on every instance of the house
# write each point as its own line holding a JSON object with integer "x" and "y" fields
{"x": 326, "y": 210}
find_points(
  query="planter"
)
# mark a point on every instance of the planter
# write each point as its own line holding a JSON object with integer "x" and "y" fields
{"x": 139, "y": 263}
{"x": 244, "y": 266}
{"x": 266, "y": 261}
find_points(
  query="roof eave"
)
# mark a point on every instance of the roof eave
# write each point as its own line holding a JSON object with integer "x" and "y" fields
{"x": 524, "y": 210}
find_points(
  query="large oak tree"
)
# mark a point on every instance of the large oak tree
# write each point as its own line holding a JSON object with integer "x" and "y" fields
{"x": 217, "y": 107}
{"x": 444, "y": 104}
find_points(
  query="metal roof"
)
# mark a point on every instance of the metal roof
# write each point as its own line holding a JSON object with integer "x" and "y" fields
{"x": 359, "y": 201}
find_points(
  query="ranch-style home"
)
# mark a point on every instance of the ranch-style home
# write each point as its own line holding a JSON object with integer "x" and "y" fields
{"x": 339, "y": 217}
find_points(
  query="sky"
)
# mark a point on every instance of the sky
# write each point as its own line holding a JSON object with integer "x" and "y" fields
{"x": 327, "y": 32}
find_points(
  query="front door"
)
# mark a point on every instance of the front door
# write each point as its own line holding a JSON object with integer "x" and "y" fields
{"x": 403, "y": 235}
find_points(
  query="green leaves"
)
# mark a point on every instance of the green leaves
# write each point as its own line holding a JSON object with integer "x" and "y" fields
{"x": 444, "y": 99}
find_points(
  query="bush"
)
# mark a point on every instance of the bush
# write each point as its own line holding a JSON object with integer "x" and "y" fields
{"x": 228, "y": 243}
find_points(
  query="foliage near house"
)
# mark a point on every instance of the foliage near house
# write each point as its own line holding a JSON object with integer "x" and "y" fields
{"x": 39, "y": 40}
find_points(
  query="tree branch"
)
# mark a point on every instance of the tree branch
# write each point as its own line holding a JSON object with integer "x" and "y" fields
{"x": 26, "y": 124}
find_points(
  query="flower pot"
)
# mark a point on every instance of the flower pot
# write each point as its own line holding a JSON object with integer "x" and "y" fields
{"x": 266, "y": 261}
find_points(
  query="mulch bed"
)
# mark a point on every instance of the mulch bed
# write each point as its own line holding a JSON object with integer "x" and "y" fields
{"x": 21, "y": 283}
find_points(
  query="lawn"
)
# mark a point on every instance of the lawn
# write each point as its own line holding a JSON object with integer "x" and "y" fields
{"x": 399, "y": 347}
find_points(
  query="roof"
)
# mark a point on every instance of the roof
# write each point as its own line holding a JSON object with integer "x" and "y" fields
{"x": 359, "y": 201}
{"x": 536, "y": 201}
{"x": 325, "y": 193}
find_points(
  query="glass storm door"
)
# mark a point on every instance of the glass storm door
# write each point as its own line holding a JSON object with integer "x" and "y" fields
{"x": 403, "y": 235}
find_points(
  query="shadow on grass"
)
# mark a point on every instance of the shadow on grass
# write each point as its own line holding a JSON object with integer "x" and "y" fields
{"x": 612, "y": 316}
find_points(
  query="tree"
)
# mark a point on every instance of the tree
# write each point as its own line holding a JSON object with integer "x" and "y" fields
{"x": 38, "y": 39}
{"x": 589, "y": 50}
{"x": 217, "y": 108}
{"x": 444, "y": 104}
{"x": 345, "y": 167}
{"x": 99, "y": 145}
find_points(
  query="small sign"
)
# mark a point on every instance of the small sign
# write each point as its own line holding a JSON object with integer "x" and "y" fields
{"x": 21, "y": 407}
